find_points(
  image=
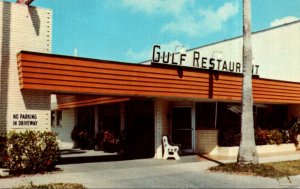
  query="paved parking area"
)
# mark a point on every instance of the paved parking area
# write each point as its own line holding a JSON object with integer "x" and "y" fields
{"x": 189, "y": 172}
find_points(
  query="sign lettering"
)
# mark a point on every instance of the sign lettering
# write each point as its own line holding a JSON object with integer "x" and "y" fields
{"x": 24, "y": 119}
{"x": 198, "y": 61}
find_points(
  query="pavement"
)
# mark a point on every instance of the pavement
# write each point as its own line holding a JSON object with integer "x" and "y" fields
{"x": 188, "y": 172}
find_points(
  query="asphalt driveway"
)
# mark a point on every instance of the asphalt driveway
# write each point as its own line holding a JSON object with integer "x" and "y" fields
{"x": 189, "y": 172}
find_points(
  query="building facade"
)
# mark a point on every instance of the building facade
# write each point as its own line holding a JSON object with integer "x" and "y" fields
{"x": 194, "y": 97}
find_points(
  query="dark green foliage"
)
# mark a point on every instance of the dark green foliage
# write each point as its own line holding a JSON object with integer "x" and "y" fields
{"x": 264, "y": 136}
{"x": 294, "y": 130}
{"x": 53, "y": 186}
{"x": 108, "y": 141}
{"x": 231, "y": 137}
{"x": 275, "y": 137}
{"x": 31, "y": 152}
{"x": 82, "y": 138}
{"x": 2, "y": 148}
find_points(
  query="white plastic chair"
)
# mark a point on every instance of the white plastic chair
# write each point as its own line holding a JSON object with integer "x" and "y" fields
{"x": 170, "y": 150}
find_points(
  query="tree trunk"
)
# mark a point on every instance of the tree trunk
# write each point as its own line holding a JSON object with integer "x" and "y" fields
{"x": 247, "y": 150}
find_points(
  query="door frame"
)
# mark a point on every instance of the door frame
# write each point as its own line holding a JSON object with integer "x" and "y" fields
{"x": 193, "y": 124}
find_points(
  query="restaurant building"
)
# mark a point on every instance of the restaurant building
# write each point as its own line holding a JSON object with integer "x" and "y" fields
{"x": 192, "y": 96}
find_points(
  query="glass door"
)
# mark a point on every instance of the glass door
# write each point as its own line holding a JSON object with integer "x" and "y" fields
{"x": 182, "y": 130}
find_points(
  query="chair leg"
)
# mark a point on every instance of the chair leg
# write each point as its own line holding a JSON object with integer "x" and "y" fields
{"x": 173, "y": 155}
{"x": 176, "y": 156}
{"x": 165, "y": 155}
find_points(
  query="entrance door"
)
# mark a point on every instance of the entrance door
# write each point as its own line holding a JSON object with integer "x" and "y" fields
{"x": 182, "y": 130}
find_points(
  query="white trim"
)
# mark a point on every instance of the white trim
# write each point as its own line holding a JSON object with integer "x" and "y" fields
{"x": 261, "y": 149}
{"x": 122, "y": 116}
{"x": 193, "y": 126}
{"x": 216, "y": 115}
{"x": 96, "y": 123}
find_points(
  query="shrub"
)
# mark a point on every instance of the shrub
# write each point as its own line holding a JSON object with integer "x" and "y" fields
{"x": 31, "y": 152}
{"x": 108, "y": 141}
{"x": 261, "y": 136}
{"x": 229, "y": 137}
{"x": 294, "y": 130}
{"x": 285, "y": 136}
{"x": 81, "y": 137}
{"x": 2, "y": 148}
{"x": 275, "y": 137}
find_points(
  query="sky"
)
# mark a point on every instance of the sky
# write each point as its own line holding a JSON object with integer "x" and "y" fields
{"x": 126, "y": 30}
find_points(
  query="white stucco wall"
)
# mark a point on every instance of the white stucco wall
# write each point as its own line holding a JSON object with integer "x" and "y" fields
{"x": 64, "y": 131}
{"x": 275, "y": 50}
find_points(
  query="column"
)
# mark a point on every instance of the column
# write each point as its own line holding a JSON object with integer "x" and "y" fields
{"x": 122, "y": 116}
{"x": 96, "y": 115}
{"x": 161, "y": 111}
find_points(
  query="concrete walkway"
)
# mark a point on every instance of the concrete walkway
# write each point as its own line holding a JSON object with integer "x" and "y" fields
{"x": 189, "y": 172}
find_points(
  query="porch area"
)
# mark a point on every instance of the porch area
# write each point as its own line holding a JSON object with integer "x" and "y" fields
{"x": 72, "y": 156}
{"x": 199, "y": 127}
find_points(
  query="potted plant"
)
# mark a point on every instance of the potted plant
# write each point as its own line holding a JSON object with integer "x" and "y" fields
{"x": 83, "y": 139}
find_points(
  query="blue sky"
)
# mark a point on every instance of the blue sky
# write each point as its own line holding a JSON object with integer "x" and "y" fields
{"x": 125, "y": 30}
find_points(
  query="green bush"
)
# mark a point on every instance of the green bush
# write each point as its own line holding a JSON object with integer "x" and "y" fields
{"x": 286, "y": 136}
{"x": 229, "y": 137}
{"x": 294, "y": 130}
{"x": 264, "y": 136}
{"x": 108, "y": 141}
{"x": 261, "y": 136}
{"x": 275, "y": 137}
{"x": 31, "y": 152}
{"x": 2, "y": 148}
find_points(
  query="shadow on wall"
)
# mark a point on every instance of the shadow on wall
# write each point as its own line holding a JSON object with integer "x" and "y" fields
{"x": 5, "y": 51}
{"x": 212, "y": 77}
{"x": 36, "y": 22}
{"x": 43, "y": 99}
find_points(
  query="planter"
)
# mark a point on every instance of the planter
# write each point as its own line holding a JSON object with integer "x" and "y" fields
{"x": 261, "y": 149}
{"x": 298, "y": 140}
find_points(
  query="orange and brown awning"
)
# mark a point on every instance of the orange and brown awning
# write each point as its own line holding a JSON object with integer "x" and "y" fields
{"x": 72, "y": 101}
{"x": 65, "y": 74}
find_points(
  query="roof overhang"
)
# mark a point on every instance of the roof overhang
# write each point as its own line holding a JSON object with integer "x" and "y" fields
{"x": 65, "y": 74}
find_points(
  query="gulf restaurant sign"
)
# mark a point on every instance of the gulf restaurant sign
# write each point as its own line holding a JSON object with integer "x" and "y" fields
{"x": 196, "y": 60}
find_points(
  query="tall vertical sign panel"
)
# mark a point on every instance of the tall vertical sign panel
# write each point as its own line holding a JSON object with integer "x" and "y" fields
{"x": 30, "y": 29}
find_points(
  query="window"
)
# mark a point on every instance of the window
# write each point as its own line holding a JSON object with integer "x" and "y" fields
{"x": 205, "y": 115}
{"x": 58, "y": 118}
{"x": 52, "y": 118}
{"x": 229, "y": 116}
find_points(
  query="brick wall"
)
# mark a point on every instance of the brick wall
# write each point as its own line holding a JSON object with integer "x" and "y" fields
{"x": 206, "y": 141}
{"x": 22, "y": 28}
{"x": 161, "y": 111}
